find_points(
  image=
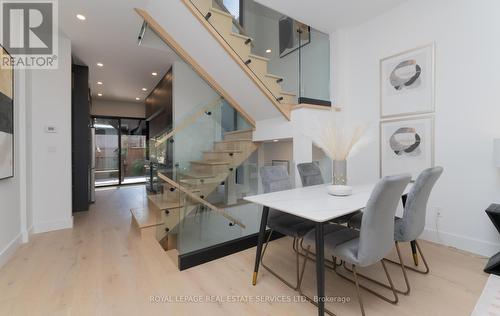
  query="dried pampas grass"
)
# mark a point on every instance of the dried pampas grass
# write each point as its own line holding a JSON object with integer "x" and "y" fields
{"x": 338, "y": 136}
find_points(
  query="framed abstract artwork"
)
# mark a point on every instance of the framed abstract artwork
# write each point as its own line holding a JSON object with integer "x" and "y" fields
{"x": 6, "y": 119}
{"x": 407, "y": 83}
{"x": 406, "y": 145}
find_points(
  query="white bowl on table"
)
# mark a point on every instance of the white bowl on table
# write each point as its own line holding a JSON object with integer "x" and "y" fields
{"x": 339, "y": 190}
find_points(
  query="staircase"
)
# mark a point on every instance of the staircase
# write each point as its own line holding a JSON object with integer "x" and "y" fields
{"x": 224, "y": 24}
{"x": 180, "y": 197}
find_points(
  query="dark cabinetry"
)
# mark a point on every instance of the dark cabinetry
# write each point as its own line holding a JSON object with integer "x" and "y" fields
{"x": 80, "y": 137}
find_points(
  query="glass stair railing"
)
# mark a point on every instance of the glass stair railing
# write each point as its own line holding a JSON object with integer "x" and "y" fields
{"x": 289, "y": 59}
{"x": 214, "y": 165}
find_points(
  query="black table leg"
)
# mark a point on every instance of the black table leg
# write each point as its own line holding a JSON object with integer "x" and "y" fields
{"x": 320, "y": 268}
{"x": 262, "y": 235}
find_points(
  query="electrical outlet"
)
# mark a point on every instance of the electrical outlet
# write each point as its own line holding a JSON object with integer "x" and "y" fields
{"x": 439, "y": 212}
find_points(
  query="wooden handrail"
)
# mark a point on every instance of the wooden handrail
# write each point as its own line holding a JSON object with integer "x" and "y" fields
{"x": 200, "y": 200}
{"x": 176, "y": 47}
{"x": 188, "y": 121}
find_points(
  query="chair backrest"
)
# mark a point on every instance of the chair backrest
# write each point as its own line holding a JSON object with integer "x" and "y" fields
{"x": 376, "y": 237}
{"x": 275, "y": 178}
{"x": 413, "y": 222}
{"x": 310, "y": 174}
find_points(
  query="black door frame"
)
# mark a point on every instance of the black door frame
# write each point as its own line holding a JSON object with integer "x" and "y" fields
{"x": 119, "y": 119}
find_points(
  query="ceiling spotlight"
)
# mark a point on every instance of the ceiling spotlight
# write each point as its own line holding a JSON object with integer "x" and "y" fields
{"x": 81, "y": 17}
{"x": 99, "y": 83}
{"x": 268, "y": 50}
{"x": 276, "y": 140}
{"x": 144, "y": 89}
{"x": 100, "y": 64}
{"x": 154, "y": 74}
{"x": 99, "y": 94}
{"x": 137, "y": 99}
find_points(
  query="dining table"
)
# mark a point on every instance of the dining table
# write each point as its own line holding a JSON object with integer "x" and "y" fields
{"x": 316, "y": 204}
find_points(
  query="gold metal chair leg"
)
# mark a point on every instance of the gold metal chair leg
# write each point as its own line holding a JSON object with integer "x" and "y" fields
{"x": 328, "y": 263}
{"x": 295, "y": 243}
{"x": 356, "y": 282}
{"x": 401, "y": 264}
{"x": 391, "y": 285}
{"x": 407, "y": 282}
{"x": 299, "y": 287}
{"x": 426, "y": 271}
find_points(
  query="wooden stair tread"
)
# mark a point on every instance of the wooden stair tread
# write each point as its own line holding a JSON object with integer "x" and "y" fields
{"x": 220, "y": 12}
{"x": 241, "y": 131}
{"x": 287, "y": 93}
{"x": 258, "y": 57}
{"x": 210, "y": 162}
{"x": 273, "y": 76}
{"x": 193, "y": 175}
{"x": 233, "y": 140}
{"x": 240, "y": 36}
{"x": 145, "y": 217}
{"x": 162, "y": 203}
{"x": 224, "y": 152}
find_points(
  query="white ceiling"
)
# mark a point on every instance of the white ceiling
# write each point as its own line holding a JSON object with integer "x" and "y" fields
{"x": 109, "y": 35}
{"x": 330, "y": 15}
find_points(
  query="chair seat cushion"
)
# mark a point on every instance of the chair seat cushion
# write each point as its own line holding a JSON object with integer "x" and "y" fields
{"x": 290, "y": 225}
{"x": 334, "y": 235}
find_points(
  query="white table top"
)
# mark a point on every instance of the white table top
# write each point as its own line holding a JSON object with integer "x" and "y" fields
{"x": 314, "y": 203}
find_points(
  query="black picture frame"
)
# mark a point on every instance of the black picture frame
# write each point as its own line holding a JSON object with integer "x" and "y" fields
{"x": 12, "y": 121}
{"x": 296, "y": 28}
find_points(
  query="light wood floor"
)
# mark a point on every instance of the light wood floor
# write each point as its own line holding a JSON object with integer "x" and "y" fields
{"x": 101, "y": 267}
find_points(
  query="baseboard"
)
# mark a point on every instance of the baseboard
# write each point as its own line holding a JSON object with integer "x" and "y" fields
{"x": 476, "y": 246}
{"x": 26, "y": 234}
{"x": 8, "y": 251}
{"x": 53, "y": 225}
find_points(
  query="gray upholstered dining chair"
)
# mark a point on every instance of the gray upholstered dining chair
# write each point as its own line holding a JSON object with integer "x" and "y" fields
{"x": 409, "y": 227}
{"x": 373, "y": 241}
{"x": 310, "y": 174}
{"x": 276, "y": 178}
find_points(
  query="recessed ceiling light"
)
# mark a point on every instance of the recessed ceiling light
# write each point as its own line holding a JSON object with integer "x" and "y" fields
{"x": 99, "y": 83}
{"x": 268, "y": 51}
{"x": 137, "y": 99}
{"x": 144, "y": 89}
{"x": 276, "y": 140}
{"x": 154, "y": 74}
{"x": 81, "y": 17}
{"x": 99, "y": 94}
{"x": 100, "y": 64}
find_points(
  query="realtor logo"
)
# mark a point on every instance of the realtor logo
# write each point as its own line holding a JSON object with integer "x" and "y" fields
{"x": 29, "y": 33}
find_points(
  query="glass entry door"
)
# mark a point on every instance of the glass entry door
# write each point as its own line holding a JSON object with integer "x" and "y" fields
{"x": 120, "y": 151}
{"x": 133, "y": 151}
{"x": 107, "y": 151}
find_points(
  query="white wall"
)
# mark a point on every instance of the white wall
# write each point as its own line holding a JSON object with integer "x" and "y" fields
{"x": 118, "y": 108}
{"x": 50, "y": 164}
{"x": 466, "y": 35}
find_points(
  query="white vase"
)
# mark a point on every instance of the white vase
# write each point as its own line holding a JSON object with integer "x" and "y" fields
{"x": 339, "y": 172}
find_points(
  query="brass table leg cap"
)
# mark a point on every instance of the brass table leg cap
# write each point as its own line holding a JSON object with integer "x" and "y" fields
{"x": 254, "y": 281}
{"x": 415, "y": 259}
